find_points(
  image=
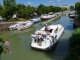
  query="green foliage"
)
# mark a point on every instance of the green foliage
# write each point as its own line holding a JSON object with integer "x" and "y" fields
{"x": 71, "y": 8}
{"x": 16, "y": 19}
{"x": 2, "y": 13}
{"x": 10, "y": 8}
{"x": 8, "y": 12}
{"x": 63, "y": 9}
{"x": 3, "y": 47}
{"x": 21, "y": 19}
{"x": 11, "y": 20}
{"x": 75, "y": 39}
{"x": 20, "y": 6}
{"x": 9, "y": 2}
{"x": 42, "y": 9}
{"x": 57, "y": 9}
{"x": 26, "y": 12}
{"x": 1, "y": 40}
{"x": 74, "y": 51}
{"x": 77, "y": 7}
{"x": 1, "y": 8}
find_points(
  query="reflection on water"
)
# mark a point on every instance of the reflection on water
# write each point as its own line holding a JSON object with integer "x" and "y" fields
{"x": 50, "y": 21}
{"x": 21, "y": 31}
{"x": 20, "y": 43}
{"x": 71, "y": 19}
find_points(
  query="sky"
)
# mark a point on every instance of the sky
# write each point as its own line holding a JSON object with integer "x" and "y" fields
{"x": 46, "y": 2}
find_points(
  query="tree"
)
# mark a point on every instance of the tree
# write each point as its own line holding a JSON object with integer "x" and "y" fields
{"x": 9, "y": 2}
{"x": 13, "y": 2}
{"x": 1, "y": 8}
{"x": 63, "y": 9}
{"x": 57, "y": 9}
{"x": 40, "y": 9}
{"x": 74, "y": 48}
{"x": 21, "y": 6}
{"x": 52, "y": 8}
{"x": 77, "y": 7}
{"x": 26, "y": 12}
{"x": 9, "y": 11}
{"x": 71, "y": 8}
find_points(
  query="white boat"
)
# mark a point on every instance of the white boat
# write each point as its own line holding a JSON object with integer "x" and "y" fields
{"x": 44, "y": 40}
{"x": 72, "y": 15}
{"x": 45, "y": 17}
{"x": 34, "y": 20}
{"x": 20, "y": 25}
{"x": 51, "y": 15}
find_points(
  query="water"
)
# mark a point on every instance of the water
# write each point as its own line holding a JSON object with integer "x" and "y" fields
{"x": 20, "y": 43}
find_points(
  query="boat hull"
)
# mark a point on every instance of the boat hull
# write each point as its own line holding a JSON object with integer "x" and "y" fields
{"x": 72, "y": 17}
{"x": 20, "y": 26}
{"x": 47, "y": 49}
{"x": 35, "y": 20}
{"x": 51, "y": 47}
{"x": 45, "y": 18}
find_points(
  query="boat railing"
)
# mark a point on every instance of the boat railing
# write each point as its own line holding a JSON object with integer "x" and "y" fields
{"x": 59, "y": 29}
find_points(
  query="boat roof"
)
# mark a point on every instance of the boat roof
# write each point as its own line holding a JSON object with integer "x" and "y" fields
{"x": 54, "y": 27}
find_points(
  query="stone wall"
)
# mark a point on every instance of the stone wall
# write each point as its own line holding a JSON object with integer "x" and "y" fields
{"x": 4, "y": 25}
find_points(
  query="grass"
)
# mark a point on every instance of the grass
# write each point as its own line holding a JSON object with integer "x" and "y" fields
{"x": 74, "y": 48}
{"x": 22, "y": 19}
{"x": 16, "y": 19}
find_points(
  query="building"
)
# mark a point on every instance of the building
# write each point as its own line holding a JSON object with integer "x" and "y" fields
{"x": 65, "y": 5}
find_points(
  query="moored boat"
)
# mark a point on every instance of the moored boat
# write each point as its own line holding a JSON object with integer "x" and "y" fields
{"x": 72, "y": 15}
{"x": 47, "y": 16}
{"x": 34, "y": 20}
{"x": 20, "y": 25}
{"x": 44, "y": 40}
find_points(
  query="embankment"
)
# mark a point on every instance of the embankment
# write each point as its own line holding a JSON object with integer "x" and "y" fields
{"x": 4, "y": 25}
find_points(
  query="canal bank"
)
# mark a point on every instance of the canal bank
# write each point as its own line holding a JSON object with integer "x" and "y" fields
{"x": 20, "y": 43}
{"x": 4, "y": 25}
{"x": 74, "y": 46}
{"x": 76, "y": 22}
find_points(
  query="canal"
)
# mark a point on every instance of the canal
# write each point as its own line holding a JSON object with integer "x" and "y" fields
{"x": 20, "y": 42}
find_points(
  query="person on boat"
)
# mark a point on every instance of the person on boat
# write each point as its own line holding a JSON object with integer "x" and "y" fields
{"x": 47, "y": 27}
{"x": 44, "y": 35}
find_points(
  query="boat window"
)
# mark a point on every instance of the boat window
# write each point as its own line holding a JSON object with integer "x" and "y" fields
{"x": 50, "y": 30}
{"x": 56, "y": 30}
{"x": 55, "y": 36}
{"x": 51, "y": 36}
{"x": 34, "y": 40}
{"x": 41, "y": 39}
{"x": 38, "y": 40}
{"x": 47, "y": 38}
{"x": 60, "y": 29}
